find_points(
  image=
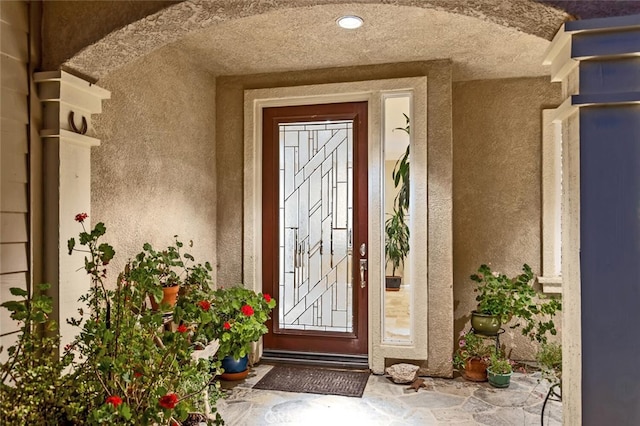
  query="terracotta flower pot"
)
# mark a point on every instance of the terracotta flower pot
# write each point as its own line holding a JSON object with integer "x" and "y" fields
{"x": 170, "y": 295}
{"x": 475, "y": 370}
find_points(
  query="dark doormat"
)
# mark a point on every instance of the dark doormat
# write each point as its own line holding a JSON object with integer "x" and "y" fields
{"x": 314, "y": 380}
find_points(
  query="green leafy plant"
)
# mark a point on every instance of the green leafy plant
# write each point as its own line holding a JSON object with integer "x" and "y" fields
{"x": 470, "y": 346}
{"x": 33, "y": 389}
{"x": 401, "y": 173}
{"x": 241, "y": 315}
{"x": 396, "y": 228}
{"x": 499, "y": 364}
{"x": 515, "y": 298}
{"x": 131, "y": 363}
{"x": 549, "y": 358}
{"x": 396, "y": 241}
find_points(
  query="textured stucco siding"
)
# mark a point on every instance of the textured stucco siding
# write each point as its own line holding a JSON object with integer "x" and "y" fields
{"x": 154, "y": 175}
{"x": 497, "y": 186}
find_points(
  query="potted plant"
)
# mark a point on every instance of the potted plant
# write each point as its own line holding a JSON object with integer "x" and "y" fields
{"x": 471, "y": 357}
{"x": 501, "y": 299}
{"x": 549, "y": 358}
{"x": 133, "y": 365}
{"x": 396, "y": 246}
{"x": 239, "y": 321}
{"x": 499, "y": 370}
{"x": 32, "y": 384}
{"x": 157, "y": 271}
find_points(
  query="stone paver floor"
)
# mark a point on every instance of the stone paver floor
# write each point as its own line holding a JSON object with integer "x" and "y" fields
{"x": 442, "y": 402}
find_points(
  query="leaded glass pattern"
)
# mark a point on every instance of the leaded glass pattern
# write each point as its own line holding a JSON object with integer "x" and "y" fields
{"x": 316, "y": 221}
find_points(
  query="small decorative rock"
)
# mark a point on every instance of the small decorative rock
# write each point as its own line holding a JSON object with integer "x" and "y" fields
{"x": 402, "y": 373}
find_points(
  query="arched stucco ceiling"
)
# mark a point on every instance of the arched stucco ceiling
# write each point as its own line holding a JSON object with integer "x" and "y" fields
{"x": 485, "y": 38}
{"x": 304, "y": 39}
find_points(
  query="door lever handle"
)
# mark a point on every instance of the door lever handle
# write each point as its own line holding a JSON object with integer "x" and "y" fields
{"x": 363, "y": 270}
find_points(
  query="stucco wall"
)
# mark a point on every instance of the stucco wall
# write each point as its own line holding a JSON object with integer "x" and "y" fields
{"x": 154, "y": 175}
{"x": 65, "y": 28}
{"x": 496, "y": 185}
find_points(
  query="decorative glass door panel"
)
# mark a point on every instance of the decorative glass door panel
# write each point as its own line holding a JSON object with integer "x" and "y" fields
{"x": 316, "y": 210}
{"x": 314, "y": 214}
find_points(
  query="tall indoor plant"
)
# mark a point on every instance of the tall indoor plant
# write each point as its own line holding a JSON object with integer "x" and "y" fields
{"x": 396, "y": 228}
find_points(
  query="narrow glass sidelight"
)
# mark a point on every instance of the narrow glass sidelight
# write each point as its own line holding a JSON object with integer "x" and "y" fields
{"x": 316, "y": 225}
{"x": 399, "y": 280}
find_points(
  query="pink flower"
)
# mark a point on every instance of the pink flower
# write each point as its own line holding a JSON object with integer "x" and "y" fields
{"x": 182, "y": 328}
{"x": 204, "y": 305}
{"x": 113, "y": 400}
{"x": 247, "y": 310}
{"x": 226, "y": 325}
{"x": 169, "y": 401}
{"x": 80, "y": 217}
{"x": 267, "y": 297}
{"x": 461, "y": 343}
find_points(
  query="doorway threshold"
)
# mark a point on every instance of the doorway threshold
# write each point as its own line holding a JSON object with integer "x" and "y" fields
{"x": 360, "y": 362}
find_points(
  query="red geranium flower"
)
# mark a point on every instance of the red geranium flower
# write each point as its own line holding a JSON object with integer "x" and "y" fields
{"x": 226, "y": 325}
{"x": 114, "y": 400}
{"x": 247, "y": 310}
{"x": 267, "y": 297}
{"x": 169, "y": 401}
{"x": 80, "y": 217}
{"x": 204, "y": 305}
{"x": 182, "y": 328}
{"x": 137, "y": 374}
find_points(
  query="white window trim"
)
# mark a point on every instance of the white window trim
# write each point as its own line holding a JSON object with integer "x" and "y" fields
{"x": 551, "y": 278}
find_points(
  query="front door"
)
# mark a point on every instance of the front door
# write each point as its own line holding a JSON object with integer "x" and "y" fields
{"x": 314, "y": 222}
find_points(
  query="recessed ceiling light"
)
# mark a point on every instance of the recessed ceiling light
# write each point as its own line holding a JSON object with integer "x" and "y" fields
{"x": 350, "y": 22}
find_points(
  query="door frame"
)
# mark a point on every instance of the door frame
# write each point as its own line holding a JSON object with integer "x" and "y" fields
{"x": 371, "y": 92}
{"x": 354, "y": 342}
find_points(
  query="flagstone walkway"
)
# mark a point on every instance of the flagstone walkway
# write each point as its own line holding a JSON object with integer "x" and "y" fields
{"x": 442, "y": 402}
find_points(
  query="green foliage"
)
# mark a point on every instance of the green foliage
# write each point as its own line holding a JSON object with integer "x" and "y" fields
{"x": 549, "y": 357}
{"x": 499, "y": 364}
{"x": 471, "y": 345}
{"x": 516, "y": 298}
{"x": 396, "y": 241}
{"x": 240, "y": 319}
{"x": 396, "y": 229}
{"x": 128, "y": 365}
{"x": 129, "y": 351}
{"x": 401, "y": 173}
{"x": 32, "y": 387}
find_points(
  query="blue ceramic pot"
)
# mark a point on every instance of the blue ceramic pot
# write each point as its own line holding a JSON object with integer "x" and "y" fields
{"x": 231, "y": 365}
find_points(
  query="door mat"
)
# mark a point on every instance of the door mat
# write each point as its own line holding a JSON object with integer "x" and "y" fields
{"x": 314, "y": 380}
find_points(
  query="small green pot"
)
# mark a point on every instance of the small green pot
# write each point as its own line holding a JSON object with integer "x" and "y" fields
{"x": 498, "y": 380}
{"x": 488, "y": 325}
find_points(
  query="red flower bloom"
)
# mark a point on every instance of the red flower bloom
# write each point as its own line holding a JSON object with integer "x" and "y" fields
{"x": 247, "y": 310}
{"x": 204, "y": 305}
{"x": 267, "y": 297}
{"x": 169, "y": 401}
{"x": 182, "y": 328}
{"x": 80, "y": 217}
{"x": 114, "y": 400}
{"x": 226, "y": 325}
{"x": 137, "y": 374}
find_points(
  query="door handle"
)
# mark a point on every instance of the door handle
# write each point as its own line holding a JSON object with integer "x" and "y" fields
{"x": 363, "y": 270}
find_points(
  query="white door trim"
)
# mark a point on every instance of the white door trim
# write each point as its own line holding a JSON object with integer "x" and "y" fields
{"x": 370, "y": 91}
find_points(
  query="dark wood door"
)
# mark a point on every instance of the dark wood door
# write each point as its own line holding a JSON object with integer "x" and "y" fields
{"x": 314, "y": 225}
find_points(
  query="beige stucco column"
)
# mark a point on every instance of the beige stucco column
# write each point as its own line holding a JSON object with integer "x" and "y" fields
{"x": 68, "y": 103}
